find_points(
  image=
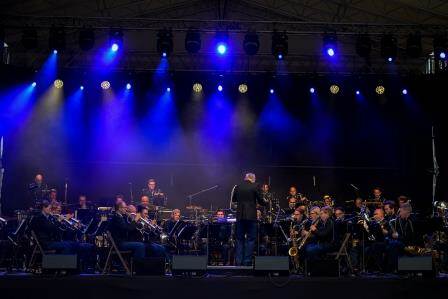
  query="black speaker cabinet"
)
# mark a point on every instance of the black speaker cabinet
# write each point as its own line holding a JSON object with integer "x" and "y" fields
{"x": 150, "y": 266}
{"x": 189, "y": 263}
{"x": 416, "y": 264}
{"x": 59, "y": 262}
{"x": 327, "y": 268}
{"x": 272, "y": 264}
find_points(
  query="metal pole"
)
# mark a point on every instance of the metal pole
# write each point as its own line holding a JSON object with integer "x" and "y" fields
{"x": 2, "y": 171}
{"x": 435, "y": 170}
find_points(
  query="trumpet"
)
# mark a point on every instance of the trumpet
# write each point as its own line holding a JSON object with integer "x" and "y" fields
{"x": 153, "y": 228}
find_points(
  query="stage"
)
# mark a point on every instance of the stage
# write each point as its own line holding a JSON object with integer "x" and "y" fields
{"x": 219, "y": 286}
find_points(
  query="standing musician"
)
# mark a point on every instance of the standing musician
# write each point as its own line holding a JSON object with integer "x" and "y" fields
{"x": 246, "y": 196}
{"x": 38, "y": 190}
{"x": 155, "y": 195}
{"x": 323, "y": 235}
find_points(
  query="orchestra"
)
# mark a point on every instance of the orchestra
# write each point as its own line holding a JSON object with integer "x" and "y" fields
{"x": 257, "y": 224}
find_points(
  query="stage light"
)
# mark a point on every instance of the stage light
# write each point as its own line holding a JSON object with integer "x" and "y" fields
{"x": 168, "y": 89}
{"x": 105, "y": 85}
{"x": 128, "y": 86}
{"x": 165, "y": 42}
{"x": 251, "y": 43}
{"x": 404, "y": 91}
{"x": 334, "y": 89}
{"x": 81, "y": 87}
{"x": 58, "y": 83}
{"x": 279, "y": 47}
{"x": 358, "y": 92}
{"x": 380, "y": 89}
{"x": 389, "y": 48}
{"x": 115, "y": 39}
{"x": 197, "y": 87}
{"x": 440, "y": 46}
{"x": 271, "y": 91}
{"x": 29, "y": 38}
{"x": 56, "y": 38}
{"x": 193, "y": 41}
{"x": 221, "y": 48}
{"x": 312, "y": 90}
{"x": 242, "y": 88}
{"x": 414, "y": 45}
{"x": 221, "y": 38}
{"x": 33, "y": 84}
{"x": 220, "y": 88}
{"x": 363, "y": 45}
{"x": 86, "y": 39}
{"x": 55, "y": 52}
{"x": 330, "y": 44}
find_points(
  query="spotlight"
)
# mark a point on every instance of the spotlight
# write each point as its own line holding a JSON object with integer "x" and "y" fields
{"x": 312, "y": 90}
{"x": 389, "y": 47}
{"x": 197, "y": 87}
{"x": 221, "y": 48}
{"x": 29, "y": 38}
{"x": 81, "y": 87}
{"x": 33, "y": 84}
{"x": 105, "y": 85}
{"x": 221, "y": 42}
{"x": 251, "y": 43}
{"x": 363, "y": 45}
{"x": 440, "y": 46}
{"x": 128, "y": 86}
{"x": 86, "y": 39}
{"x": 164, "y": 42}
{"x": 242, "y": 88}
{"x": 380, "y": 89}
{"x": 115, "y": 39}
{"x": 55, "y": 52}
{"x": 279, "y": 46}
{"x": 404, "y": 91}
{"x": 219, "y": 87}
{"x": 358, "y": 92}
{"x": 334, "y": 89}
{"x": 330, "y": 44}
{"x": 414, "y": 45}
{"x": 58, "y": 83}
{"x": 193, "y": 41}
{"x": 168, "y": 89}
{"x": 271, "y": 91}
{"x": 56, "y": 39}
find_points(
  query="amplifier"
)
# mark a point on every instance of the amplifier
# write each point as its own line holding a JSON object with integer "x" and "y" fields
{"x": 272, "y": 264}
{"x": 189, "y": 263}
{"x": 416, "y": 264}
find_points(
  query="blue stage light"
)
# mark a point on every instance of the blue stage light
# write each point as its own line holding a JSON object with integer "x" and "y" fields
{"x": 390, "y": 59}
{"x": 280, "y": 56}
{"x": 55, "y": 52}
{"x": 219, "y": 87}
{"x": 221, "y": 48}
{"x": 81, "y": 87}
{"x": 358, "y": 92}
{"x": 442, "y": 55}
{"x": 168, "y": 89}
{"x": 404, "y": 91}
{"x": 114, "y": 47}
{"x": 128, "y": 86}
{"x": 271, "y": 91}
{"x": 164, "y": 54}
{"x": 330, "y": 52}
{"x": 312, "y": 90}
{"x": 33, "y": 84}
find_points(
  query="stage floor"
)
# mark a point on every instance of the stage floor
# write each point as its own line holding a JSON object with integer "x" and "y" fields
{"x": 219, "y": 286}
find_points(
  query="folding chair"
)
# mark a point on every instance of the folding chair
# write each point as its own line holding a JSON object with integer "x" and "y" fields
{"x": 37, "y": 250}
{"x": 342, "y": 253}
{"x": 115, "y": 251}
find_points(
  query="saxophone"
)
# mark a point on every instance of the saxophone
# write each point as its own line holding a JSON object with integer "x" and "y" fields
{"x": 293, "y": 250}
{"x": 308, "y": 235}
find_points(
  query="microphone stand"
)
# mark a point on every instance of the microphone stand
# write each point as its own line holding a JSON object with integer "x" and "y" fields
{"x": 131, "y": 193}
{"x": 65, "y": 192}
{"x": 191, "y": 196}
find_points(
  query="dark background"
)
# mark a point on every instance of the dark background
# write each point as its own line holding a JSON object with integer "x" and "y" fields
{"x": 100, "y": 145}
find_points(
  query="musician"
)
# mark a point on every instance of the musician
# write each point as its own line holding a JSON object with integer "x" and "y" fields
{"x": 83, "y": 212}
{"x": 328, "y": 201}
{"x": 220, "y": 216}
{"x": 246, "y": 195}
{"x": 402, "y": 233}
{"x": 377, "y": 195}
{"x": 38, "y": 190}
{"x": 389, "y": 209}
{"x": 293, "y": 199}
{"x": 298, "y": 216}
{"x": 323, "y": 235}
{"x": 341, "y": 225}
{"x": 313, "y": 216}
{"x": 119, "y": 198}
{"x": 144, "y": 200}
{"x": 82, "y": 202}
{"x": 155, "y": 195}
{"x": 376, "y": 246}
{"x": 402, "y": 199}
{"x": 220, "y": 233}
{"x": 173, "y": 223}
{"x": 360, "y": 206}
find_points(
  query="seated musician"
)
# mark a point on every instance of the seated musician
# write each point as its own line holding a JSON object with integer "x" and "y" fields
{"x": 341, "y": 225}
{"x": 123, "y": 227}
{"x": 376, "y": 246}
{"x": 172, "y": 224}
{"x": 144, "y": 201}
{"x": 155, "y": 195}
{"x": 53, "y": 196}
{"x": 293, "y": 199}
{"x": 48, "y": 232}
{"x": 220, "y": 216}
{"x": 83, "y": 211}
{"x": 38, "y": 191}
{"x": 402, "y": 199}
{"x": 322, "y": 235}
{"x": 389, "y": 210}
{"x": 298, "y": 216}
{"x": 402, "y": 234}
{"x": 219, "y": 237}
{"x": 360, "y": 206}
{"x": 328, "y": 201}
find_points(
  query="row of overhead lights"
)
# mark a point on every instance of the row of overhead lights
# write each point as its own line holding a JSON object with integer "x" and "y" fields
{"x": 251, "y": 42}
{"x": 242, "y": 88}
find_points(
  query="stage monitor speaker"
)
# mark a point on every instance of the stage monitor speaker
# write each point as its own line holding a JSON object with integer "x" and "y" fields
{"x": 189, "y": 263}
{"x": 416, "y": 264}
{"x": 272, "y": 264}
{"x": 59, "y": 262}
{"x": 150, "y": 266}
{"x": 326, "y": 268}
